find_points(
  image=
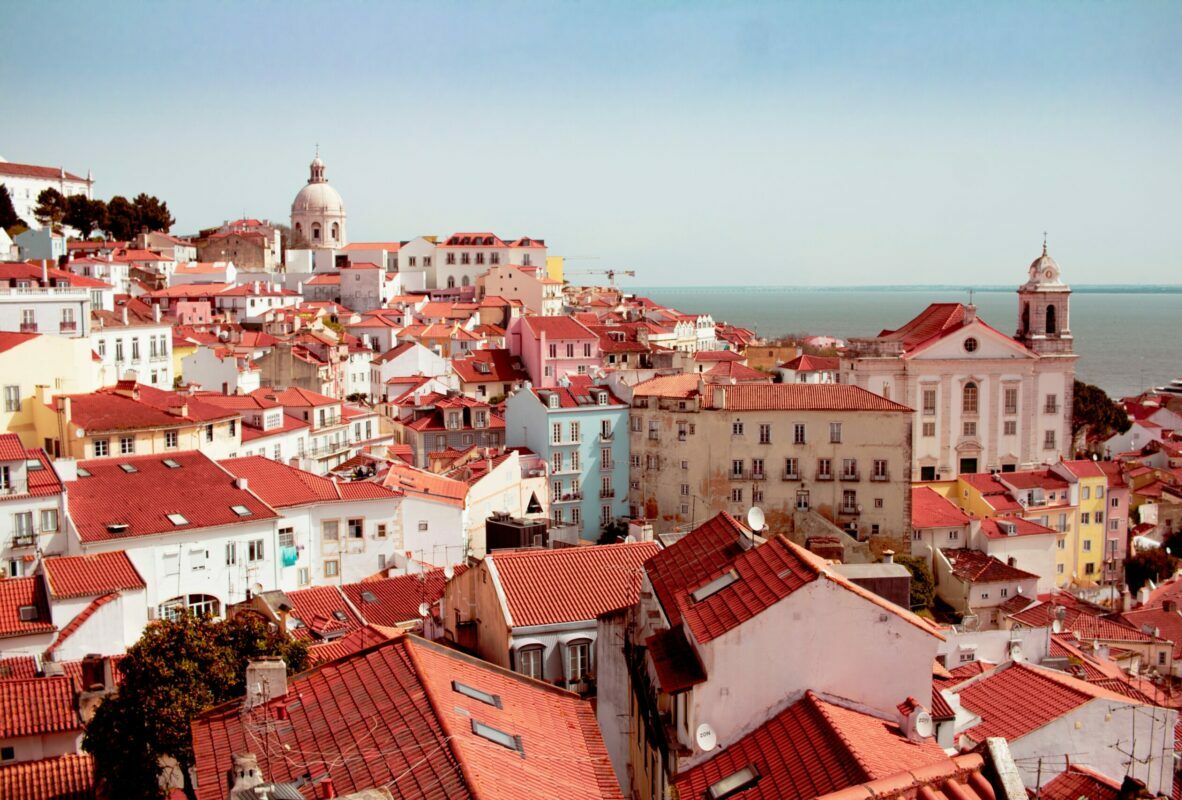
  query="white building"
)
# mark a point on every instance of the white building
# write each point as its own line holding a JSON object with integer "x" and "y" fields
{"x": 220, "y": 369}
{"x": 41, "y": 299}
{"x": 26, "y": 181}
{"x": 133, "y": 339}
{"x": 31, "y": 511}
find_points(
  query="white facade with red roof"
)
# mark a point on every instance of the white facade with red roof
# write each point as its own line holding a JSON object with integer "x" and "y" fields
{"x": 32, "y": 511}
{"x": 983, "y": 400}
{"x": 133, "y": 340}
{"x": 406, "y": 360}
{"x": 38, "y": 298}
{"x": 97, "y": 602}
{"x": 26, "y": 181}
{"x": 221, "y": 369}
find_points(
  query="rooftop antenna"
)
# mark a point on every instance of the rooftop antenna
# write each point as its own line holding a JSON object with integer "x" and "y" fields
{"x": 970, "y": 295}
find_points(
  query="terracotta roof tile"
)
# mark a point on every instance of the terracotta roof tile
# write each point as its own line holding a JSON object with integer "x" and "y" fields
{"x": 324, "y": 613}
{"x": 68, "y": 777}
{"x": 352, "y": 642}
{"x": 799, "y": 397}
{"x": 1080, "y": 782}
{"x": 37, "y": 706}
{"x": 130, "y": 406}
{"x": 977, "y": 567}
{"x": 90, "y": 575}
{"x": 395, "y": 601}
{"x": 559, "y": 328}
{"x": 544, "y": 587}
{"x": 18, "y": 593}
{"x": 932, "y": 510}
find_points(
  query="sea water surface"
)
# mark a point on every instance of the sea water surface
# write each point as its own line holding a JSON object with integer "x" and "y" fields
{"x": 1127, "y": 338}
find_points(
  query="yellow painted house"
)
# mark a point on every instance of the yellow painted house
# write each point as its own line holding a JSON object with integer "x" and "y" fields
{"x": 28, "y": 360}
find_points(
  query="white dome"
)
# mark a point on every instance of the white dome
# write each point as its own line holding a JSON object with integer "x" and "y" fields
{"x": 318, "y": 198}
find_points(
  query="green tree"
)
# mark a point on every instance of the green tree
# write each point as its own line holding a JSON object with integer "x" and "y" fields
{"x": 923, "y": 588}
{"x": 51, "y": 207}
{"x": 178, "y": 669}
{"x": 122, "y": 223}
{"x": 152, "y": 214}
{"x": 1149, "y": 565}
{"x": 85, "y": 214}
{"x": 8, "y": 217}
{"x": 1093, "y": 412}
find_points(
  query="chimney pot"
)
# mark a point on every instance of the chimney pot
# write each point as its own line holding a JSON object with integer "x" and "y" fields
{"x": 888, "y": 556}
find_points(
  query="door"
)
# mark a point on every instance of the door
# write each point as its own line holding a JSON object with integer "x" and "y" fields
{"x": 968, "y": 465}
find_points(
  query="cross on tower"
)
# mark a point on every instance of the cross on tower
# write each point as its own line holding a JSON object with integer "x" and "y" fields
{"x": 1044, "y": 243}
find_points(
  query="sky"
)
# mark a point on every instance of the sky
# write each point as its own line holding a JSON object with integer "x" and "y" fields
{"x": 810, "y": 144}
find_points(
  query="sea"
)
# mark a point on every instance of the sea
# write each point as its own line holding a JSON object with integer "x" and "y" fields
{"x": 1127, "y": 337}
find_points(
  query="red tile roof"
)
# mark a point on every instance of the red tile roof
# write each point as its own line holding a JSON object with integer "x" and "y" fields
{"x": 9, "y": 339}
{"x": 198, "y": 489}
{"x": 352, "y": 642}
{"x": 37, "y": 706}
{"x": 69, "y": 777}
{"x": 502, "y": 367}
{"x": 580, "y": 392}
{"x": 407, "y": 480}
{"x": 87, "y": 576}
{"x": 935, "y": 320}
{"x": 930, "y": 509}
{"x": 395, "y": 601}
{"x": 977, "y": 567}
{"x": 1087, "y": 625}
{"x": 416, "y": 731}
{"x": 131, "y": 406}
{"x": 18, "y": 667}
{"x": 295, "y": 397}
{"x": 738, "y": 372}
{"x": 18, "y": 593}
{"x": 559, "y": 328}
{"x": 1017, "y": 698}
{"x": 1080, "y": 782}
{"x": 34, "y": 171}
{"x": 718, "y": 355}
{"x": 799, "y": 397}
{"x": 324, "y": 612}
{"x": 11, "y": 448}
{"x": 1084, "y": 468}
{"x": 546, "y": 587}
{"x": 282, "y": 486}
{"x": 807, "y": 363}
{"x": 812, "y": 748}
{"x": 990, "y": 526}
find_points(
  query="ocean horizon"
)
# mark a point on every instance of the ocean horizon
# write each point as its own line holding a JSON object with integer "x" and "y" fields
{"x": 1124, "y": 333}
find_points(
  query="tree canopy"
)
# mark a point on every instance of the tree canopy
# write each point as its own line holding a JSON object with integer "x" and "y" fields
{"x": 8, "y": 217}
{"x": 1094, "y": 412}
{"x": 178, "y": 669}
{"x": 51, "y": 207}
{"x": 126, "y": 218}
{"x": 1149, "y": 565}
{"x": 923, "y": 588}
{"x": 85, "y": 214}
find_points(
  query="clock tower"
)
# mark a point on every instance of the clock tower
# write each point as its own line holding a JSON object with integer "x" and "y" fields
{"x": 1044, "y": 322}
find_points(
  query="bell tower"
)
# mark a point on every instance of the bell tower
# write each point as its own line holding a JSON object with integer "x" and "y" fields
{"x": 1044, "y": 321}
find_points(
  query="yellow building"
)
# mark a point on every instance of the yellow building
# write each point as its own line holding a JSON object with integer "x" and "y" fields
{"x": 555, "y": 266}
{"x": 1089, "y": 486}
{"x": 28, "y": 360}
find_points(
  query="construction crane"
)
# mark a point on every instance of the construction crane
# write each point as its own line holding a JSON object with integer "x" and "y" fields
{"x": 610, "y": 273}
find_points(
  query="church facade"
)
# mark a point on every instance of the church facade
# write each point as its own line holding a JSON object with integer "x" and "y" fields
{"x": 318, "y": 213}
{"x": 983, "y": 401}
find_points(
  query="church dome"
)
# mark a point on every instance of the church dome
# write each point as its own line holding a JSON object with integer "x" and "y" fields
{"x": 318, "y": 198}
{"x": 1044, "y": 271}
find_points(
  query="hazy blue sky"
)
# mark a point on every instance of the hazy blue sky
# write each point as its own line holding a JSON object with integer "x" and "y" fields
{"x": 789, "y": 143}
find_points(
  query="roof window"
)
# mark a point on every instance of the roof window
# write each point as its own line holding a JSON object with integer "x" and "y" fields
{"x": 476, "y": 694}
{"x": 340, "y": 615}
{"x": 177, "y": 519}
{"x": 28, "y": 613}
{"x": 715, "y": 586}
{"x": 734, "y": 783}
{"x": 83, "y": 472}
{"x": 368, "y": 597}
{"x": 171, "y": 463}
{"x": 34, "y": 465}
{"x": 505, "y": 740}
{"x": 241, "y": 511}
{"x": 128, "y": 468}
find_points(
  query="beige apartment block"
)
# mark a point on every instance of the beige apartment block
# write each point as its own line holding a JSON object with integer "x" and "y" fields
{"x": 841, "y": 451}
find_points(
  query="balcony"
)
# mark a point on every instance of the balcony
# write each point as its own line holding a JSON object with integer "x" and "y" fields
{"x": 24, "y": 539}
{"x": 69, "y": 325}
{"x": 824, "y": 476}
{"x": 607, "y": 466}
{"x": 654, "y": 436}
{"x": 790, "y": 476}
{"x": 28, "y": 327}
{"x": 851, "y": 476}
{"x": 848, "y": 510}
{"x": 607, "y": 436}
{"x": 881, "y": 477}
{"x": 607, "y": 493}
{"x": 569, "y": 497}
{"x": 13, "y": 487}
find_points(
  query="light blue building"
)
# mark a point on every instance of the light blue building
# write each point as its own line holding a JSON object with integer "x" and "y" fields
{"x": 582, "y": 431}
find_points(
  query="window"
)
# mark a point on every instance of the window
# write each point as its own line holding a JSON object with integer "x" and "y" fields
{"x": 574, "y": 461}
{"x": 1085, "y": 518}
{"x": 1010, "y": 427}
{"x": 287, "y": 537}
{"x": 7, "y": 754}
{"x": 529, "y": 661}
{"x": 1052, "y": 404}
{"x": 422, "y": 525}
{"x": 12, "y": 398}
{"x": 929, "y": 401}
{"x": 835, "y": 432}
{"x": 970, "y": 427}
{"x": 575, "y": 432}
{"x": 1099, "y": 517}
{"x": 737, "y": 468}
{"x": 765, "y": 433}
{"x": 953, "y": 535}
{"x": 880, "y": 469}
{"x": 102, "y": 448}
{"x": 587, "y": 354}
{"x": 49, "y": 520}
{"x": 1090, "y": 569}
{"x": 969, "y": 398}
{"x": 798, "y": 433}
{"x": 570, "y": 351}
{"x": 135, "y": 348}
{"x": 1048, "y": 440}
{"x": 556, "y": 462}
{"x": 736, "y": 495}
{"x": 578, "y": 659}
{"x": 849, "y": 500}
{"x": 605, "y": 515}
{"x": 685, "y": 490}
{"x": 736, "y": 428}
{"x": 1115, "y": 503}
{"x": 102, "y": 348}
{"x": 849, "y": 468}
{"x": 1059, "y": 569}
{"x": 757, "y": 467}
{"x": 256, "y": 550}
{"x": 929, "y": 429}
{"x": 177, "y": 519}
{"x": 1099, "y": 492}
{"x": 824, "y": 469}
{"x": 556, "y": 517}
{"x": 24, "y": 527}
{"x": 1010, "y": 400}
{"x": 878, "y": 503}
{"x": 1087, "y": 545}
{"x": 356, "y": 528}
{"x": 209, "y": 433}
{"x": 126, "y": 445}
{"x": 231, "y": 553}
{"x": 332, "y": 568}
{"x": 970, "y": 345}
{"x": 556, "y": 433}
{"x": 170, "y": 439}
{"x": 330, "y": 530}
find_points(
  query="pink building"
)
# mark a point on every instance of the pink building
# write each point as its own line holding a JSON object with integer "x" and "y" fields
{"x": 551, "y": 347}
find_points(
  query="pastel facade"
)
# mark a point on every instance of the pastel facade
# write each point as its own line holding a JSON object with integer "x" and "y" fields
{"x": 31, "y": 360}
{"x": 553, "y": 347}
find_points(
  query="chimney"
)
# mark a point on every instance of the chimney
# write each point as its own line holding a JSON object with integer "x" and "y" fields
{"x": 719, "y": 398}
{"x": 246, "y": 774}
{"x": 156, "y": 312}
{"x": 1170, "y": 606}
{"x": 888, "y": 556}
{"x": 327, "y": 790}
{"x": 241, "y": 483}
{"x": 44, "y": 272}
{"x": 1143, "y": 595}
{"x": 970, "y": 313}
{"x": 1131, "y": 789}
{"x": 266, "y": 680}
{"x": 124, "y": 310}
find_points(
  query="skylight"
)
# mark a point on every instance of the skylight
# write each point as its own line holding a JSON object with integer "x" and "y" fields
{"x": 241, "y": 511}
{"x": 505, "y": 740}
{"x": 476, "y": 694}
{"x": 171, "y": 463}
{"x": 715, "y": 586}
{"x": 734, "y": 783}
{"x": 83, "y": 472}
{"x": 34, "y": 465}
{"x": 128, "y": 468}
{"x": 368, "y": 597}
{"x": 177, "y": 519}
{"x": 340, "y": 615}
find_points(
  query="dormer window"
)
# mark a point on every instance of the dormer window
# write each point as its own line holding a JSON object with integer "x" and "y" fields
{"x": 601, "y": 398}
{"x": 553, "y": 401}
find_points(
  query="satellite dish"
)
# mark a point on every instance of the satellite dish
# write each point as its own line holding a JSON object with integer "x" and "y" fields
{"x": 424, "y": 609}
{"x": 449, "y": 572}
{"x": 1056, "y": 626}
{"x": 706, "y": 737}
{"x": 923, "y": 724}
{"x": 79, "y": 433}
{"x": 756, "y": 520}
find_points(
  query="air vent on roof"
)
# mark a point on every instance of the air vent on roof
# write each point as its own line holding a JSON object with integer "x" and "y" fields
{"x": 128, "y": 468}
{"x": 117, "y": 527}
{"x": 734, "y": 783}
{"x": 28, "y": 613}
{"x": 476, "y": 694}
{"x": 177, "y": 519}
{"x": 241, "y": 511}
{"x": 368, "y": 597}
{"x": 715, "y": 586}
{"x": 505, "y": 740}
{"x": 171, "y": 463}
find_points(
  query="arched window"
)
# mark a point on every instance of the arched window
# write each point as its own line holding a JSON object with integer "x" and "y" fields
{"x": 578, "y": 660}
{"x": 336, "y": 231}
{"x": 529, "y": 661}
{"x": 299, "y": 228}
{"x": 451, "y": 281}
{"x": 1025, "y": 318}
{"x": 969, "y": 403}
{"x": 196, "y": 604}
{"x": 315, "y": 232}
{"x": 1051, "y": 327}
{"x": 464, "y": 281}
